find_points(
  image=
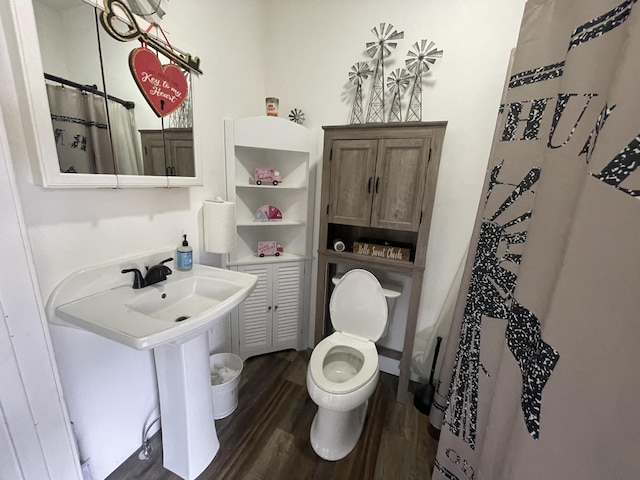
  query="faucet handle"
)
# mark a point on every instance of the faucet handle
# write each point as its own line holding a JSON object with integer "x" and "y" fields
{"x": 138, "y": 280}
{"x": 166, "y": 270}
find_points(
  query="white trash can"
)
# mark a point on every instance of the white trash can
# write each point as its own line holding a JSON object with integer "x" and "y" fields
{"x": 225, "y": 379}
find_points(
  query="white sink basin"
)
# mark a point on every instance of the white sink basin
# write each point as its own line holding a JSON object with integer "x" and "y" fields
{"x": 173, "y": 311}
{"x": 183, "y": 299}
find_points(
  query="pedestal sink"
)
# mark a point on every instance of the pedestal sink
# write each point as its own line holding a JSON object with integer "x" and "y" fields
{"x": 172, "y": 318}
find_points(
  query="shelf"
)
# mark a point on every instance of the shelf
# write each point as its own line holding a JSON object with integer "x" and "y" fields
{"x": 253, "y": 259}
{"x": 276, "y": 315}
{"x": 256, "y": 142}
{"x": 273, "y": 223}
{"x": 352, "y": 258}
{"x": 280, "y": 186}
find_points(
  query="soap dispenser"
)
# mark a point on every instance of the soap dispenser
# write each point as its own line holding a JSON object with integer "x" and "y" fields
{"x": 184, "y": 258}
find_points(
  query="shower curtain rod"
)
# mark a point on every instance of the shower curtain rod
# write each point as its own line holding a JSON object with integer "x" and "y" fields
{"x": 89, "y": 88}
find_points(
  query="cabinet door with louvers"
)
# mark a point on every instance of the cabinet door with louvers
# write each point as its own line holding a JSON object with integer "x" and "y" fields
{"x": 287, "y": 308}
{"x": 254, "y": 314}
{"x": 270, "y": 318}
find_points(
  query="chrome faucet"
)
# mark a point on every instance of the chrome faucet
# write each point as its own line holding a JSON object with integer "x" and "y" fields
{"x": 156, "y": 273}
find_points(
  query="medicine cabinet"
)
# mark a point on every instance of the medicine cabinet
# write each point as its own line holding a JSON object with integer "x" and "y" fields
{"x": 29, "y": 76}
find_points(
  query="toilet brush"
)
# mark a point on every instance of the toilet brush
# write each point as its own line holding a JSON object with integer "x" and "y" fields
{"x": 423, "y": 397}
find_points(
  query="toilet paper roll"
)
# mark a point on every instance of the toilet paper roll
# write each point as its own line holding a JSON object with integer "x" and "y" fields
{"x": 219, "y": 226}
{"x": 338, "y": 245}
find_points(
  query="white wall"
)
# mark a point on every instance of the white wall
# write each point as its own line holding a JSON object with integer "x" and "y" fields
{"x": 299, "y": 51}
{"x": 312, "y": 46}
{"x": 36, "y": 440}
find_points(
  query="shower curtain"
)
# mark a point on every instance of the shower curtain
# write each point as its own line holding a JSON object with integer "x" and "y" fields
{"x": 80, "y": 129}
{"x": 540, "y": 374}
{"x": 125, "y": 138}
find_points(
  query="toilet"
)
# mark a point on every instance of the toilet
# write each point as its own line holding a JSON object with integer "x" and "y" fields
{"x": 343, "y": 369}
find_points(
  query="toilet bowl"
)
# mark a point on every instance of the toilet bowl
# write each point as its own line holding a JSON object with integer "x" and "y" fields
{"x": 343, "y": 369}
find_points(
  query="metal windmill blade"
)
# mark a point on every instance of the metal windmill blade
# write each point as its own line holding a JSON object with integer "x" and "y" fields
{"x": 359, "y": 73}
{"x": 384, "y": 41}
{"x": 420, "y": 57}
{"x": 397, "y": 82}
{"x": 380, "y": 49}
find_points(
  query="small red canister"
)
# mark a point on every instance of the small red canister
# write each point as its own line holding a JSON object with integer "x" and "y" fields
{"x": 272, "y": 106}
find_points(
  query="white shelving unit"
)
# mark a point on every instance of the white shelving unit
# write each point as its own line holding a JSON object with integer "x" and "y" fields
{"x": 260, "y": 325}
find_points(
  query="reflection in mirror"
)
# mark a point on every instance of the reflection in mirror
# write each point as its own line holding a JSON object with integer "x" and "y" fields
{"x": 170, "y": 151}
{"x": 78, "y": 116}
{"x": 136, "y": 141}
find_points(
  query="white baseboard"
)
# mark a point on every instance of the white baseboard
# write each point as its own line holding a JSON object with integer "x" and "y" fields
{"x": 392, "y": 367}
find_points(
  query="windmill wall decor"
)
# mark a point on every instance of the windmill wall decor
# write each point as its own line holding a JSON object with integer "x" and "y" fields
{"x": 358, "y": 74}
{"x": 380, "y": 49}
{"x": 397, "y": 82}
{"x": 296, "y": 116}
{"x": 420, "y": 58}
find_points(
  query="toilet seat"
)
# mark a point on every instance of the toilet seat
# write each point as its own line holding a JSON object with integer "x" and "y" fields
{"x": 369, "y": 365}
{"x": 358, "y": 305}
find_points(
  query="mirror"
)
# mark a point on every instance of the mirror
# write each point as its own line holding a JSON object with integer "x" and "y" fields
{"x": 102, "y": 123}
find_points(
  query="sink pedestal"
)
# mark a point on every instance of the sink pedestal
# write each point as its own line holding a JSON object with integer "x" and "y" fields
{"x": 189, "y": 438}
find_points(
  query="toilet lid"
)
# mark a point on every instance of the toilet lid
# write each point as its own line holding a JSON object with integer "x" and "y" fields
{"x": 358, "y": 305}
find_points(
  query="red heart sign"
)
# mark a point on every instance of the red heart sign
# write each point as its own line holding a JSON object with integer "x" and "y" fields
{"x": 164, "y": 86}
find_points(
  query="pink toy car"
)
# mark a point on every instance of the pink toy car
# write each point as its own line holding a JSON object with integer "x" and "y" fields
{"x": 269, "y": 175}
{"x": 269, "y": 248}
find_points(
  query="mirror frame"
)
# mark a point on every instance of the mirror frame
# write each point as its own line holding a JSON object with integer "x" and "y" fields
{"x": 29, "y": 76}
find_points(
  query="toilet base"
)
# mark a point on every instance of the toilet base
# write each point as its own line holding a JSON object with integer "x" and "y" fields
{"x": 334, "y": 434}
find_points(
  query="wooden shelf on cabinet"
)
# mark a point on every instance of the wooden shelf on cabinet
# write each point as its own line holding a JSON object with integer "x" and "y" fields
{"x": 354, "y": 259}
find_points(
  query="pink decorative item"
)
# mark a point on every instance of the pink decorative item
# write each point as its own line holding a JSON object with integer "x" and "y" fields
{"x": 164, "y": 87}
{"x": 266, "y": 175}
{"x": 267, "y": 213}
{"x": 269, "y": 248}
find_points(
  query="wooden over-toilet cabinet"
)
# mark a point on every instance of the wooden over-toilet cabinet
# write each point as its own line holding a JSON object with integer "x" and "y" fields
{"x": 378, "y": 184}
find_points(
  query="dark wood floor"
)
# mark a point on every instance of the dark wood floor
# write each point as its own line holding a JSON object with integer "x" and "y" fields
{"x": 267, "y": 437}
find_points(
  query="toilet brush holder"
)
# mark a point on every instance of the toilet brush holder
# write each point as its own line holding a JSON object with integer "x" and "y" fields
{"x": 423, "y": 398}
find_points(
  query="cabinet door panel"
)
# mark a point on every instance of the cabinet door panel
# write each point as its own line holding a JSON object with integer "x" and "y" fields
{"x": 351, "y": 189}
{"x": 182, "y": 157}
{"x": 400, "y": 183}
{"x": 254, "y": 313}
{"x": 153, "y": 153}
{"x": 288, "y": 300}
